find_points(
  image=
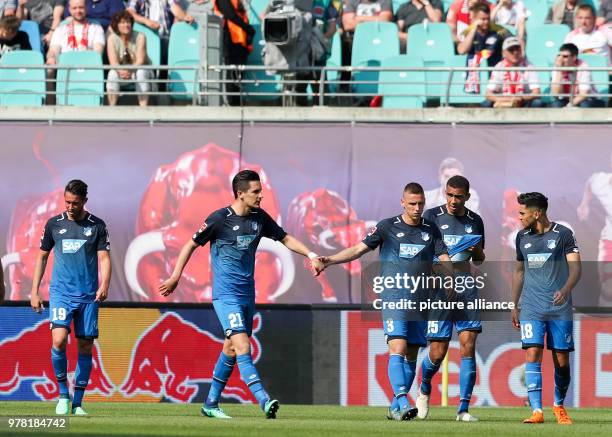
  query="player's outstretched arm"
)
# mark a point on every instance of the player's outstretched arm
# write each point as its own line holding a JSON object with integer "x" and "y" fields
{"x": 2, "y": 290}
{"x": 168, "y": 286}
{"x": 297, "y": 246}
{"x": 517, "y": 288}
{"x": 346, "y": 255}
{"x": 39, "y": 270}
{"x": 574, "y": 266}
{"x": 105, "y": 270}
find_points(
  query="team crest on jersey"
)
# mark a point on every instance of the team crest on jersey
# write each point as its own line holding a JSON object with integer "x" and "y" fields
{"x": 399, "y": 235}
{"x": 243, "y": 241}
{"x": 72, "y": 246}
{"x": 425, "y": 236}
{"x": 551, "y": 244}
{"x": 537, "y": 260}
{"x": 468, "y": 229}
{"x": 254, "y": 226}
{"x": 444, "y": 227}
{"x": 410, "y": 250}
{"x": 87, "y": 231}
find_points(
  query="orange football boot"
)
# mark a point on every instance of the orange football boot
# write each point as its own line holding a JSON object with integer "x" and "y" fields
{"x": 536, "y": 417}
{"x": 561, "y": 415}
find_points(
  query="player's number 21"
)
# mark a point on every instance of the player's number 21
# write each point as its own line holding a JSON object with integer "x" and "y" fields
{"x": 235, "y": 320}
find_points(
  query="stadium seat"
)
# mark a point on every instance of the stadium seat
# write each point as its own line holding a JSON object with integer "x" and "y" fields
{"x": 153, "y": 43}
{"x": 28, "y": 83}
{"x": 373, "y": 42}
{"x": 396, "y": 5}
{"x": 544, "y": 41}
{"x": 260, "y": 85}
{"x": 409, "y": 83}
{"x": 79, "y": 86}
{"x": 600, "y": 78}
{"x": 335, "y": 60}
{"x": 544, "y": 77}
{"x": 536, "y": 11}
{"x": 183, "y": 51}
{"x": 457, "y": 94}
{"x": 434, "y": 44}
{"x": 33, "y": 31}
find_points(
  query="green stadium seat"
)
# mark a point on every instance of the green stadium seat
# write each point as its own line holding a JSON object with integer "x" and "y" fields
{"x": 536, "y": 11}
{"x": 373, "y": 41}
{"x": 600, "y": 78}
{"x": 153, "y": 43}
{"x": 79, "y": 86}
{"x": 33, "y": 31}
{"x": 457, "y": 94}
{"x": 183, "y": 51}
{"x": 544, "y": 77}
{"x": 335, "y": 60}
{"x": 544, "y": 41}
{"x": 434, "y": 44}
{"x": 29, "y": 83}
{"x": 396, "y": 5}
{"x": 409, "y": 83}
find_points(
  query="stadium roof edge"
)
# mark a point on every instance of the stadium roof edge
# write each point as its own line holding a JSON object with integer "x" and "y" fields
{"x": 305, "y": 114}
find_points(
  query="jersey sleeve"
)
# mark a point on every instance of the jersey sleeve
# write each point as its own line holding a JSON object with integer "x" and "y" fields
{"x": 103, "y": 238}
{"x": 271, "y": 229}
{"x": 208, "y": 230}
{"x": 517, "y": 243}
{"x": 375, "y": 236}
{"x": 440, "y": 247}
{"x": 429, "y": 215}
{"x": 482, "y": 230}
{"x": 46, "y": 239}
{"x": 568, "y": 242}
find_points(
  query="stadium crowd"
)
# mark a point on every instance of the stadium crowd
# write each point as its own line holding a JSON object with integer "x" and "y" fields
{"x": 492, "y": 34}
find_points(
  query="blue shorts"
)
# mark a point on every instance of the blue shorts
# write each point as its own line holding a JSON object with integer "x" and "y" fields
{"x": 62, "y": 312}
{"x": 441, "y": 322}
{"x": 410, "y": 330}
{"x": 235, "y": 317}
{"x": 559, "y": 334}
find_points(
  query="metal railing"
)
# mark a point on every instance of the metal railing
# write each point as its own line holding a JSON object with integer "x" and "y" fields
{"x": 246, "y": 84}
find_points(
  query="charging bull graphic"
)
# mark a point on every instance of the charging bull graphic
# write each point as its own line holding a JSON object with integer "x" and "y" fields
{"x": 27, "y": 357}
{"x": 329, "y": 224}
{"x": 173, "y": 356}
{"x": 179, "y": 197}
{"x": 27, "y": 226}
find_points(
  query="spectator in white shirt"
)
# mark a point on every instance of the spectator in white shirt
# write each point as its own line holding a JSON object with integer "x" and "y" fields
{"x": 586, "y": 37}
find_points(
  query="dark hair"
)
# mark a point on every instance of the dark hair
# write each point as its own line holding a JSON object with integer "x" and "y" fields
{"x": 10, "y": 23}
{"x": 117, "y": 17}
{"x": 77, "y": 187}
{"x": 413, "y": 188}
{"x": 460, "y": 182}
{"x": 569, "y": 47}
{"x": 481, "y": 7}
{"x": 242, "y": 179}
{"x": 533, "y": 200}
{"x": 586, "y": 7}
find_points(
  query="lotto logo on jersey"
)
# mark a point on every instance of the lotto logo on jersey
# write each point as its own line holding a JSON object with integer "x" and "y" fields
{"x": 243, "y": 241}
{"x": 410, "y": 250}
{"x": 537, "y": 260}
{"x": 451, "y": 240}
{"x": 72, "y": 246}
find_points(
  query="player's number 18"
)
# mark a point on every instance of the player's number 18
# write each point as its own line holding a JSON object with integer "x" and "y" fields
{"x": 526, "y": 331}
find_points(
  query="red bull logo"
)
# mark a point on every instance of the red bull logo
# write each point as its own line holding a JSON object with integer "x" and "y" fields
{"x": 174, "y": 355}
{"x": 27, "y": 357}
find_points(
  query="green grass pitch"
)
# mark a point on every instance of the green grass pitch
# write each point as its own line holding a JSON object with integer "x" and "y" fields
{"x": 132, "y": 419}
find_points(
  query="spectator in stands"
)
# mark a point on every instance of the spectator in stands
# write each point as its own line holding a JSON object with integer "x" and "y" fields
{"x": 360, "y": 11}
{"x": 586, "y": 37}
{"x": 459, "y": 16}
{"x": 509, "y": 88}
{"x": 415, "y": 12}
{"x": 563, "y": 12}
{"x": 192, "y": 10}
{"x": 511, "y": 13}
{"x": 76, "y": 34}
{"x": 58, "y": 16}
{"x": 562, "y": 81}
{"x": 40, "y": 11}
{"x": 155, "y": 14}
{"x": 482, "y": 39}
{"x": 326, "y": 15}
{"x": 7, "y": 7}
{"x": 11, "y": 38}
{"x": 604, "y": 14}
{"x": 100, "y": 11}
{"x": 237, "y": 42}
{"x": 127, "y": 47}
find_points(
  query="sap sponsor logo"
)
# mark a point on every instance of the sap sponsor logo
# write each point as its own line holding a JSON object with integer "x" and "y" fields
{"x": 451, "y": 240}
{"x": 399, "y": 235}
{"x": 444, "y": 227}
{"x": 551, "y": 244}
{"x": 243, "y": 241}
{"x": 410, "y": 250}
{"x": 62, "y": 231}
{"x": 424, "y": 236}
{"x": 87, "y": 232}
{"x": 72, "y": 246}
{"x": 537, "y": 260}
{"x": 527, "y": 246}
